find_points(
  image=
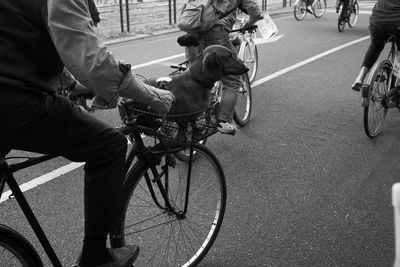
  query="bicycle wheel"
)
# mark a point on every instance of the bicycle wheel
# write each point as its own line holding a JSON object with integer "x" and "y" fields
{"x": 355, "y": 9}
{"x": 174, "y": 237}
{"x": 15, "y": 250}
{"x": 243, "y": 104}
{"x": 319, "y": 8}
{"x": 299, "y": 10}
{"x": 341, "y": 22}
{"x": 375, "y": 111}
{"x": 250, "y": 59}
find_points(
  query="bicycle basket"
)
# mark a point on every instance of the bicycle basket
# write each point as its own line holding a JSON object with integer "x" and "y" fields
{"x": 176, "y": 130}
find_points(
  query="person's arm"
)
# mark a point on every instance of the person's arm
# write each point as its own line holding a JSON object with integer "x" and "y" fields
{"x": 92, "y": 65}
{"x": 254, "y": 11}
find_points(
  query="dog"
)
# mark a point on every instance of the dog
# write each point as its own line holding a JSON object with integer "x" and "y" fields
{"x": 192, "y": 87}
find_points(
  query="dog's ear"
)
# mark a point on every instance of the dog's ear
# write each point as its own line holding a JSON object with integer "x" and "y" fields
{"x": 212, "y": 66}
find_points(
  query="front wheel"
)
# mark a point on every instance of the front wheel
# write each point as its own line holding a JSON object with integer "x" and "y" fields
{"x": 299, "y": 10}
{"x": 375, "y": 110}
{"x": 355, "y": 9}
{"x": 244, "y": 102}
{"x": 341, "y": 23}
{"x": 250, "y": 59}
{"x": 182, "y": 234}
{"x": 15, "y": 250}
{"x": 319, "y": 8}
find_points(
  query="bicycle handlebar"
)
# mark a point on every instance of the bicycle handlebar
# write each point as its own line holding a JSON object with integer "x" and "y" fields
{"x": 250, "y": 29}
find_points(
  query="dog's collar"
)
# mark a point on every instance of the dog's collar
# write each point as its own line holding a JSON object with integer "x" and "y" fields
{"x": 202, "y": 83}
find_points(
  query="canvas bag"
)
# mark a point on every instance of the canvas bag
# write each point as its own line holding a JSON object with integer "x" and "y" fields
{"x": 199, "y": 16}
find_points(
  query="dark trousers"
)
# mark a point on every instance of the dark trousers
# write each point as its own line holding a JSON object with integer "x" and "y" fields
{"x": 379, "y": 34}
{"x": 50, "y": 124}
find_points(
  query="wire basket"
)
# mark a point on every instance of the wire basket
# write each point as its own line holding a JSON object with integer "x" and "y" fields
{"x": 176, "y": 130}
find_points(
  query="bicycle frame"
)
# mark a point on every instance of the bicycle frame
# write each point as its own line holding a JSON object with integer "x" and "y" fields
{"x": 7, "y": 176}
{"x": 147, "y": 155}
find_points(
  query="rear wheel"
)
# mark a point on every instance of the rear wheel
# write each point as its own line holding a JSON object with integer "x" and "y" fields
{"x": 299, "y": 10}
{"x": 250, "y": 59}
{"x": 173, "y": 236}
{"x": 15, "y": 250}
{"x": 319, "y": 8}
{"x": 355, "y": 9}
{"x": 243, "y": 104}
{"x": 375, "y": 110}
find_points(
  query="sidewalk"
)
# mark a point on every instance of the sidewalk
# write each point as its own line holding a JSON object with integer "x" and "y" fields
{"x": 274, "y": 8}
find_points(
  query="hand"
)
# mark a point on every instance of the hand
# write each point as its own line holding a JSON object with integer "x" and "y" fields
{"x": 163, "y": 101}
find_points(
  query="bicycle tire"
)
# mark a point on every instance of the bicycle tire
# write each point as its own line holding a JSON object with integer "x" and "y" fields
{"x": 354, "y": 15}
{"x": 243, "y": 105}
{"x": 375, "y": 111}
{"x": 341, "y": 23}
{"x": 319, "y": 8}
{"x": 165, "y": 239}
{"x": 16, "y": 250}
{"x": 250, "y": 59}
{"x": 299, "y": 10}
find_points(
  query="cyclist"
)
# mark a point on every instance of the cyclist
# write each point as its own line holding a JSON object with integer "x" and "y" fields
{"x": 219, "y": 34}
{"x": 38, "y": 39}
{"x": 383, "y": 22}
{"x": 309, "y": 6}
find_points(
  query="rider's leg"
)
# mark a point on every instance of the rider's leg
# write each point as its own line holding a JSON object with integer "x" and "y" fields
{"x": 378, "y": 37}
{"x": 50, "y": 124}
{"x": 219, "y": 35}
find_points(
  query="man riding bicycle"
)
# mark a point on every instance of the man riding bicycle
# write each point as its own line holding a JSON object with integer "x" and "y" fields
{"x": 38, "y": 39}
{"x": 384, "y": 21}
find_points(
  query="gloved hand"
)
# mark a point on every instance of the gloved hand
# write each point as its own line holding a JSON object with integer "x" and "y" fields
{"x": 162, "y": 100}
{"x": 158, "y": 99}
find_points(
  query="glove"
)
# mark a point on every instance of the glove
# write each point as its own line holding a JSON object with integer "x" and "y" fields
{"x": 158, "y": 99}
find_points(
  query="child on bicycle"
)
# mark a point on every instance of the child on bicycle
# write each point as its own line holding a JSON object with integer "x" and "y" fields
{"x": 384, "y": 21}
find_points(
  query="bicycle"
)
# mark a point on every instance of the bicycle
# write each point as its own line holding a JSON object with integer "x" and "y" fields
{"x": 300, "y": 9}
{"x": 172, "y": 210}
{"x": 380, "y": 92}
{"x": 243, "y": 105}
{"x": 348, "y": 13}
{"x": 246, "y": 48}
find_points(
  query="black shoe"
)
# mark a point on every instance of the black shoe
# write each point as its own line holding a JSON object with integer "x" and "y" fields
{"x": 356, "y": 87}
{"x": 121, "y": 257}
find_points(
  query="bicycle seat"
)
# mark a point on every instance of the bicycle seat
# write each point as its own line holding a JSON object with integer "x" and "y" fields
{"x": 188, "y": 40}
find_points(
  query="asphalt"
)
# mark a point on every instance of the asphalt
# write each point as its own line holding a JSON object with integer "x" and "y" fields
{"x": 274, "y": 9}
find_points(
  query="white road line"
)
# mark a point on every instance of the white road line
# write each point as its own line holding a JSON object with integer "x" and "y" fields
{"x": 156, "y": 61}
{"x": 304, "y": 62}
{"x": 72, "y": 166}
{"x": 43, "y": 179}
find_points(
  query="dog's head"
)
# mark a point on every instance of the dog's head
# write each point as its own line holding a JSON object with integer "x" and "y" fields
{"x": 218, "y": 61}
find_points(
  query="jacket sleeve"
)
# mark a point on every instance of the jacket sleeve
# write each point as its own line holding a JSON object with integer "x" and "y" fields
{"x": 252, "y": 8}
{"x": 71, "y": 29}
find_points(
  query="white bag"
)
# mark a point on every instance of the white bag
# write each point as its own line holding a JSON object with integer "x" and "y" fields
{"x": 267, "y": 27}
